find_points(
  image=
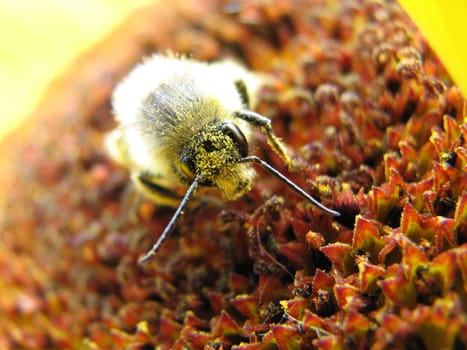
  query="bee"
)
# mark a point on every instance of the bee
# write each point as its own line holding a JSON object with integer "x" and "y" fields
{"x": 185, "y": 125}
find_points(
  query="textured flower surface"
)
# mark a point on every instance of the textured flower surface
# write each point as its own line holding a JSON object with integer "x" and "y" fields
{"x": 378, "y": 130}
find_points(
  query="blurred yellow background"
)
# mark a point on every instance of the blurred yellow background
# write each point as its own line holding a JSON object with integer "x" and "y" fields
{"x": 38, "y": 41}
{"x": 40, "y": 38}
{"x": 443, "y": 24}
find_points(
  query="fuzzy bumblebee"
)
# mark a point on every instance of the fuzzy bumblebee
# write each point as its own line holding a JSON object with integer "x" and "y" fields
{"x": 183, "y": 124}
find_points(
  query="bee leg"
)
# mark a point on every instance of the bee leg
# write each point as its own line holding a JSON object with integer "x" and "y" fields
{"x": 264, "y": 123}
{"x": 243, "y": 92}
{"x": 131, "y": 200}
{"x": 147, "y": 183}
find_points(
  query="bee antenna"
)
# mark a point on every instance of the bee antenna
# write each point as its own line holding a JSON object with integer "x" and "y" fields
{"x": 171, "y": 225}
{"x": 289, "y": 183}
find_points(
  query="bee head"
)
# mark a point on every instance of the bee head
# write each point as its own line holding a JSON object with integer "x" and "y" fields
{"x": 213, "y": 155}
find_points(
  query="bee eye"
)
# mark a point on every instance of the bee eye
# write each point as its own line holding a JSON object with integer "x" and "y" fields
{"x": 188, "y": 167}
{"x": 232, "y": 130}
